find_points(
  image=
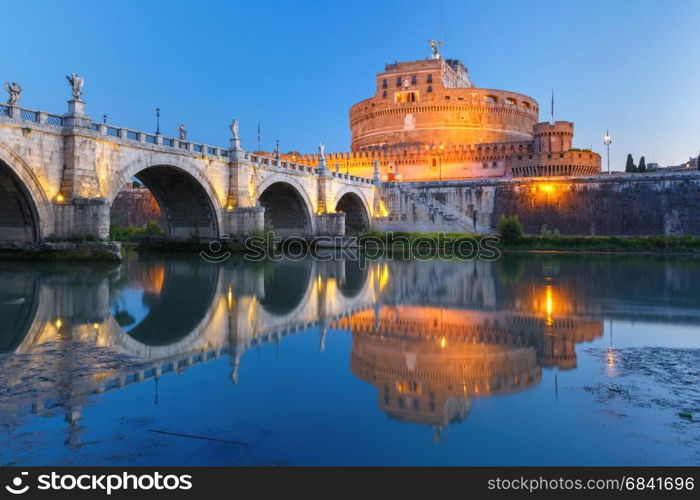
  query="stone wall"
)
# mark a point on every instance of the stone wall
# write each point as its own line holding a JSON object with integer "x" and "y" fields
{"x": 620, "y": 204}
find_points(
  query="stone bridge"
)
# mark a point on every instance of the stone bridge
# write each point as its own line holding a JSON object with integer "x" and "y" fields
{"x": 59, "y": 175}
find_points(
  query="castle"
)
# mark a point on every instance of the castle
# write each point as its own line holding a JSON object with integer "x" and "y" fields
{"x": 428, "y": 121}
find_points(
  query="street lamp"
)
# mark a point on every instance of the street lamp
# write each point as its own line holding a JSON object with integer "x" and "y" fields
{"x": 607, "y": 140}
{"x": 157, "y": 121}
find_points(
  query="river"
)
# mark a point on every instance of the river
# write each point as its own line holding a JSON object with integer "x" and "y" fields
{"x": 537, "y": 359}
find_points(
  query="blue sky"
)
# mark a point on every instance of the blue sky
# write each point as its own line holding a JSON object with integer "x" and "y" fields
{"x": 631, "y": 66}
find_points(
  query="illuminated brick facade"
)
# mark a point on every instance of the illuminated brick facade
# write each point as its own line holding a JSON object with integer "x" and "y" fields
{"x": 428, "y": 121}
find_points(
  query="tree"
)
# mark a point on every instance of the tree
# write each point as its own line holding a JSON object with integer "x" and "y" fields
{"x": 510, "y": 230}
{"x": 642, "y": 165}
{"x": 629, "y": 166}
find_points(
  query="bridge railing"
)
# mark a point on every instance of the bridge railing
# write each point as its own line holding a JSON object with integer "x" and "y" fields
{"x": 289, "y": 165}
{"x": 156, "y": 139}
{"x": 273, "y": 162}
{"x": 352, "y": 178}
{"x": 30, "y": 115}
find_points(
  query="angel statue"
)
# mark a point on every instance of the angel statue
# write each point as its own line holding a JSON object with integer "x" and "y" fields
{"x": 76, "y": 82}
{"x": 322, "y": 150}
{"x": 182, "y": 132}
{"x": 435, "y": 46}
{"x": 234, "y": 128}
{"x": 13, "y": 91}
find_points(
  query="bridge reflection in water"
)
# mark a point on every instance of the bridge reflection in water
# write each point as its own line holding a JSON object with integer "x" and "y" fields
{"x": 430, "y": 336}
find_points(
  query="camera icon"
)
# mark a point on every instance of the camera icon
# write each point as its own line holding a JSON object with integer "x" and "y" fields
{"x": 16, "y": 488}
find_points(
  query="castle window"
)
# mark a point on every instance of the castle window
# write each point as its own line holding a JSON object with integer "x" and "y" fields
{"x": 486, "y": 165}
{"x": 430, "y": 88}
{"x": 491, "y": 99}
{"x": 495, "y": 164}
{"x": 384, "y": 83}
{"x": 447, "y": 98}
{"x": 414, "y": 80}
{"x": 398, "y": 81}
{"x": 510, "y": 101}
{"x": 384, "y": 93}
{"x": 430, "y": 78}
{"x": 401, "y": 97}
{"x": 434, "y": 162}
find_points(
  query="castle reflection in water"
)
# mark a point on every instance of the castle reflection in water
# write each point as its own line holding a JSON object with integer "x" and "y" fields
{"x": 429, "y": 336}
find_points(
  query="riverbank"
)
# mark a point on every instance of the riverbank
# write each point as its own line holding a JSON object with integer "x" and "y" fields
{"x": 542, "y": 243}
{"x": 68, "y": 251}
{"x": 608, "y": 244}
{"x": 95, "y": 251}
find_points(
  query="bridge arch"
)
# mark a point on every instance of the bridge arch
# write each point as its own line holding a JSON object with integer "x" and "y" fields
{"x": 188, "y": 287}
{"x": 187, "y": 199}
{"x": 25, "y": 210}
{"x": 287, "y": 287}
{"x": 357, "y": 214}
{"x": 288, "y": 208}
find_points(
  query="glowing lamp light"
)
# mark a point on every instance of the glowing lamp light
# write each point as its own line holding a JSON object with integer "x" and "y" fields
{"x": 59, "y": 324}
{"x": 229, "y": 208}
{"x": 60, "y": 198}
{"x": 443, "y": 342}
{"x": 611, "y": 357}
{"x": 548, "y": 188}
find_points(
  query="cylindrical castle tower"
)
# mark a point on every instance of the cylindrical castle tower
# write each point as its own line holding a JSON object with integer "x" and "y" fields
{"x": 433, "y": 101}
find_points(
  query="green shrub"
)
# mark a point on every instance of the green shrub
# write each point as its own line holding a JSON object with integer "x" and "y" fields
{"x": 509, "y": 229}
{"x": 267, "y": 233}
{"x": 545, "y": 231}
{"x": 195, "y": 239}
{"x": 131, "y": 232}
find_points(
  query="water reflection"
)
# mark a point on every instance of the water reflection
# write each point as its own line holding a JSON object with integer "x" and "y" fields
{"x": 431, "y": 337}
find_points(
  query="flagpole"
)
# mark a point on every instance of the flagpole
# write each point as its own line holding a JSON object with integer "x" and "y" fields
{"x": 552, "y": 106}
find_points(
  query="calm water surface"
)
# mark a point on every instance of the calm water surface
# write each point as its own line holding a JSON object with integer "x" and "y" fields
{"x": 535, "y": 359}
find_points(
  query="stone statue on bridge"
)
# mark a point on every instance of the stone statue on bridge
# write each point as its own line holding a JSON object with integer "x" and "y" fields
{"x": 182, "y": 132}
{"x": 14, "y": 92}
{"x": 234, "y": 128}
{"x": 322, "y": 151}
{"x": 76, "y": 82}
